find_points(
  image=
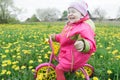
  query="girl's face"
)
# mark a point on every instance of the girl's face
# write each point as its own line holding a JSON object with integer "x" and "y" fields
{"x": 74, "y": 15}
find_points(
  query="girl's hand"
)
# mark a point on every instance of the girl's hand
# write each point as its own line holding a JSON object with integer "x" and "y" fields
{"x": 53, "y": 36}
{"x": 79, "y": 45}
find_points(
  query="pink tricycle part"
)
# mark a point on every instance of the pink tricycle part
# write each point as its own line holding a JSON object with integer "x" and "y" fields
{"x": 44, "y": 64}
{"x": 52, "y": 56}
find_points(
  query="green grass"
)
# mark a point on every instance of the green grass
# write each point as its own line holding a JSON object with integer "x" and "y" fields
{"x": 24, "y": 46}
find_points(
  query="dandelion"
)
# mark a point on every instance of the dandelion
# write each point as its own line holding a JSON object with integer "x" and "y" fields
{"x": 46, "y": 47}
{"x": 13, "y": 56}
{"x": 17, "y": 68}
{"x": 95, "y": 78}
{"x": 109, "y": 79}
{"x": 26, "y": 51}
{"x": 7, "y": 51}
{"x": 93, "y": 54}
{"x": 3, "y": 56}
{"x": 31, "y": 61}
{"x": 46, "y": 40}
{"x": 56, "y": 47}
{"x": 108, "y": 48}
{"x": 101, "y": 56}
{"x": 42, "y": 51}
{"x": 46, "y": 56}
{"x": 115, "y": 52}
{"x": 109, "y": 72}
{"x": 39, "y": 56}
{"x": 15, "y": 62}
{"x": 118, "y": 57}
{"x": 9, "y": 62}
{"x": 18, "y": 49}
{"x": 3, "y": 72}
{"x": 19, "y": 57}
{"x": 18, "y": 53}
{"x": 22, "y": 37}
{"x": 33, "y": 70}
{"x": 3, "y": 65}
{"x": 8, "y": 72}
{"x": 39, "y": 60}
{"x": 30, "y": 67}
{"x": 23, "y": 67}
{"x": 101, "y": 46}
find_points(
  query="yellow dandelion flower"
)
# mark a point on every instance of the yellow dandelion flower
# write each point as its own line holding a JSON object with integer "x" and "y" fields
{"x": 109, "y": 71}
{"x": 22, "y": 37}
{"x": 115, "y": 52}
{"x": 14, "y": 66}
{"x": 23, "y": 67}
{"x": 39, "y": 56}
{"x": 101, "y": 46}
{"x": 101, "y": 56}
{"x": 33, "y": 70}
{"x": 30, "y": 67}
{"x": 15, "y": 62}
{"x": 42, "y": 51}
{"x": 108, "y": 48}
{"x": 17, "y": 68}
{"x": 46, "y": 41}
{"x": 19, "y": 57}
{"x": 31, "y": 61}
{"x": 18, "y": 49}
{"x": 39, "y": 60}
{"x": 93, "y": 54}
{"x": 9, "y": 62}
{"x": 3, "y": 56}
{"x": 49, "y": 52}
{"x": 4, "y": 64}
{"x": 26, "y": 51}
{"x": 46, "y": 56}
{"x": 56, "y": 47}
{"x": 6, "y": 51}
{"x": 3, "y": 72}
{"x": 95, "y": 78}
{"x": 118, "y": 57}
{"x": 8, "y": 72}
{"x": 13, "y": 56}
{"x": 18, "y": 53}
{"x": 109, "y": 79}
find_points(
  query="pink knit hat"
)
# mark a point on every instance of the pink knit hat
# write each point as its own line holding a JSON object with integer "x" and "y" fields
{"x": 81, "y": 6}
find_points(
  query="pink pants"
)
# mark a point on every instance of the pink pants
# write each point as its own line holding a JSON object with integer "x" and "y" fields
{"x": 59, "y": 74}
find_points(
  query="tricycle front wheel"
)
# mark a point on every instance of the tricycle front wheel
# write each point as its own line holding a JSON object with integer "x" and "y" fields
{"x": 45, "y": 71}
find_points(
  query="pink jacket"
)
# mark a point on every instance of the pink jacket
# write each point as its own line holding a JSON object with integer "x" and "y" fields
{"x": 68, "y": 54}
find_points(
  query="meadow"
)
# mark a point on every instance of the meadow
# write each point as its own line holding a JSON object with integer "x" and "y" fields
{"x": 24, "y": 46}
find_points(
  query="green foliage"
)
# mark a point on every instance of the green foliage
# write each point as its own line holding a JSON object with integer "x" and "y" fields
{"x": 64, "y": 16}
{"x": 33, "y": 19}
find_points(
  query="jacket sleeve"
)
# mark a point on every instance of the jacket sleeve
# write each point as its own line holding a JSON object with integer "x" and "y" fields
{"x": 88, "y": 39}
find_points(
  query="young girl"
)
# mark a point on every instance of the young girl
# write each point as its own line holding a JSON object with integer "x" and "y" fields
{"x": 76, "y": 40}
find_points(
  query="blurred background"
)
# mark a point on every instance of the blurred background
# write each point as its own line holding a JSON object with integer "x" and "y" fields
{"x": 15, "y": 11}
